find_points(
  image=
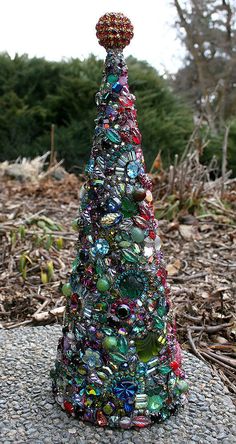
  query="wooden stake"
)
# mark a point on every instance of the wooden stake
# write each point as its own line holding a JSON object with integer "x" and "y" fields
{"x": 52, "y": 151}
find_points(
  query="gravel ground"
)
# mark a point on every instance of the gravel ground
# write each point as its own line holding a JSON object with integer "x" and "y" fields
{"x": 28, "y": 413}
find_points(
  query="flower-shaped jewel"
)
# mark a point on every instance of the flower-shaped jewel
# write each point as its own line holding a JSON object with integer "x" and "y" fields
{"x": 92, "y": 358}
{"x": 125, "y": 390}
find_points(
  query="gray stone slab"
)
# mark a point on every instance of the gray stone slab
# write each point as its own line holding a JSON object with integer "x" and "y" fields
{"x": 28, "y": 413}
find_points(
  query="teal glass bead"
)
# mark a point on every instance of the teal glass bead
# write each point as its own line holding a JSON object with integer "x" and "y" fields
{"x": 112, "y": 78}
{"x": 113, "y": 136}
{"x": 100, "y": 267}
{"x": 122, "y": 345}
{"x": 131, "y": 286}
{"x": 159, "y": 323}
{"x": 164, "y": 369}
{"x": 155, "y": 403}
{"x": 137, "y": 234}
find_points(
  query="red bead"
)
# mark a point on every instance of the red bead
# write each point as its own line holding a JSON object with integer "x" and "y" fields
{"x": 152, "y": 234}
{"x": 74, "y": 298}
{"x": 101, "y": 419}
{"x": 136, "y": 136}
{"x": 136, "y": 140}
{"x": 68, "y": 407}
{"x": 141, "y": 421}
{"x": 125, "y": 101}
{"x": 174, "y": 365}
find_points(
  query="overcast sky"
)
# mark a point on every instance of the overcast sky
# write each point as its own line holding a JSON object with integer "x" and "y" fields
{"x": 57, "y": 29}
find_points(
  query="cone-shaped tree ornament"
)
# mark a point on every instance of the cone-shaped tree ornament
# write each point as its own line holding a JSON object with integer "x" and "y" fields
{"x": 118, "y": 361}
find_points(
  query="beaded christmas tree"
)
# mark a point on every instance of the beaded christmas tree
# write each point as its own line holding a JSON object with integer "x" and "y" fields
{"x": 118, "y": 361}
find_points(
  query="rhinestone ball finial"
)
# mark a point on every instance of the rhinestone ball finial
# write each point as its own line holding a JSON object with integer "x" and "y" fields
{"x": 114, "y": 30}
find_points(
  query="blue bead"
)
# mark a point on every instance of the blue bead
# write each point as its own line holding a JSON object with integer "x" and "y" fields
{"x": 113, "y": 205}
{"x": 90, "y": 166}
{"x": 101, "y": 246}
{"x": 132, "y": 169}
{"x": 76, "y": 398}
{"x": 129, "y": 407}
{"x": 117, "y": 87}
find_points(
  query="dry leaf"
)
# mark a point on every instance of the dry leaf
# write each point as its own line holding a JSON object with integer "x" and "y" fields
{"x": 174, "y": 267}
{"x": 189, "y": 232}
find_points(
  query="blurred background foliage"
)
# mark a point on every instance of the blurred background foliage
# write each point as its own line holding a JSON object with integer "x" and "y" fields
{"x": 36, "y": 93}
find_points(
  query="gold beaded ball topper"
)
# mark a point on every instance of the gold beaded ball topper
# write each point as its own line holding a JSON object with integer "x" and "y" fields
{"x": 114, "y": 30}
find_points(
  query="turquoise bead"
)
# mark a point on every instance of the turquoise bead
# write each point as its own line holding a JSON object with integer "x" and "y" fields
{"x": 137, "y": 235}
{"x": 112, "y": 78}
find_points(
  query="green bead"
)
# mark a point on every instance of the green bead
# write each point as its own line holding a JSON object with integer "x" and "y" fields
{"x": 161, "y": 311}
{"x": 155, "y": 403}
{"x": 131, "y": 286}
{"x": 110, "y": 343}
{"x": 108, "y": 409}
{"x": 75, "y": 263}
{"x": 137, "y": 235}
{"x": 130, "y": 256}
{"x": 66, "y": 289}
{"x": 182, "y": 386}
{"x": 128, "y": 207}
{"x": 159, "y": 323}
{"x": 117, "y": 357}
{"x": 100, "y": 266}
{"x": 124, "y": 244}
{"x": 112, "y": 78}
{"x": 147, "y": 346}
{"x": 101, "y": 307}
{"x": 103, "y": 284}
{"x": 107, "y": 331}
